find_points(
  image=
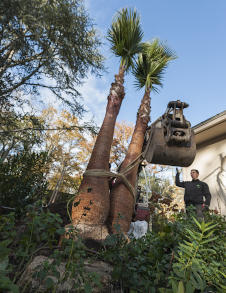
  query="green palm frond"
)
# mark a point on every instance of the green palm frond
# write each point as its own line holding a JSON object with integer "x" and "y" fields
{"x": 125, "y": 35}
{"x": 151, "y": 64}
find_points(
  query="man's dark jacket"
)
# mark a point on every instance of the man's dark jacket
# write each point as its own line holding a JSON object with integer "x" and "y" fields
{"x": 195, "y": 190}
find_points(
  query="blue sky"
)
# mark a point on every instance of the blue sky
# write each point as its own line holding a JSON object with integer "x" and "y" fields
{"x": 195, "y": 30}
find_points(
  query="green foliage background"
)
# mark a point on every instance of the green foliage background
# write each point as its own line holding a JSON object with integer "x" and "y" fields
{"x": 22, "y": 180}
{"x": 185, "y": 256}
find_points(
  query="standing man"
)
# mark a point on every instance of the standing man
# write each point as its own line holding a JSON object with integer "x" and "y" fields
{"x": 195, "y": 192}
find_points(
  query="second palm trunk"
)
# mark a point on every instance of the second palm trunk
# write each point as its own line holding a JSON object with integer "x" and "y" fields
{"x": 122, "y": 201}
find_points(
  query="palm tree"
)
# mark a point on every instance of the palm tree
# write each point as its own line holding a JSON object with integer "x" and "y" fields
{"x": 148, "y": 71}
{"x": 91, "y": 206}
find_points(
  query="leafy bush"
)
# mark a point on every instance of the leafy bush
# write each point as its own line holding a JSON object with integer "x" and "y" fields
{"x": 22, "y": 180}
{"x": 183, "y": 256}
{"x": 37, "y": 234}
{"x": 21, "y": 241}
{"x": 198, "y": 264}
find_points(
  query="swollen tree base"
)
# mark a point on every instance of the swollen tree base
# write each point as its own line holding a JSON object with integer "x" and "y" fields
{"x": 85, "y": 231}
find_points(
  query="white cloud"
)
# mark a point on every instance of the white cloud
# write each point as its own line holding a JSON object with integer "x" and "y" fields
{"x": 49, "y": 99}
{"x": 95, "y": 92}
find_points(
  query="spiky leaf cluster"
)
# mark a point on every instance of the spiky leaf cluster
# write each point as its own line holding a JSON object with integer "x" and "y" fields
{"x": 151, "y": 64}
{"x": 125, "y": 35}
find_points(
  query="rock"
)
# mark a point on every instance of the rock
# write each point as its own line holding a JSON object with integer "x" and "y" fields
{"x": 30, "y": 280}
{"x": 102, "y": 269}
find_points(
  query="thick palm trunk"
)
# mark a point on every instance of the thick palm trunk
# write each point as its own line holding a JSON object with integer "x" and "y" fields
{"x": 122, "y": 201}
{"x": 90, "y": 208}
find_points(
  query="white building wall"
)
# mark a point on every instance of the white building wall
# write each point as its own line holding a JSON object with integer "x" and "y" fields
{"x": 210, "y": 160}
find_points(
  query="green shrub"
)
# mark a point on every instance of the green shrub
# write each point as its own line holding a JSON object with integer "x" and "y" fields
{"x": 36, "y": 234}
{"x": 22, "y": 180}
{"x": 199, "y": 261}
{"x": 183, "y": 256}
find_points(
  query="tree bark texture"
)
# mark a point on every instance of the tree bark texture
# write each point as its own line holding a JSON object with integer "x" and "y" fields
{"x": 121, "y": 200}
{"x": 91, "y": 206}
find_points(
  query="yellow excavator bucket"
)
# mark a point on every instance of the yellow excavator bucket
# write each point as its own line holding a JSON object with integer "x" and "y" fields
{"x": 170, "y": 139}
